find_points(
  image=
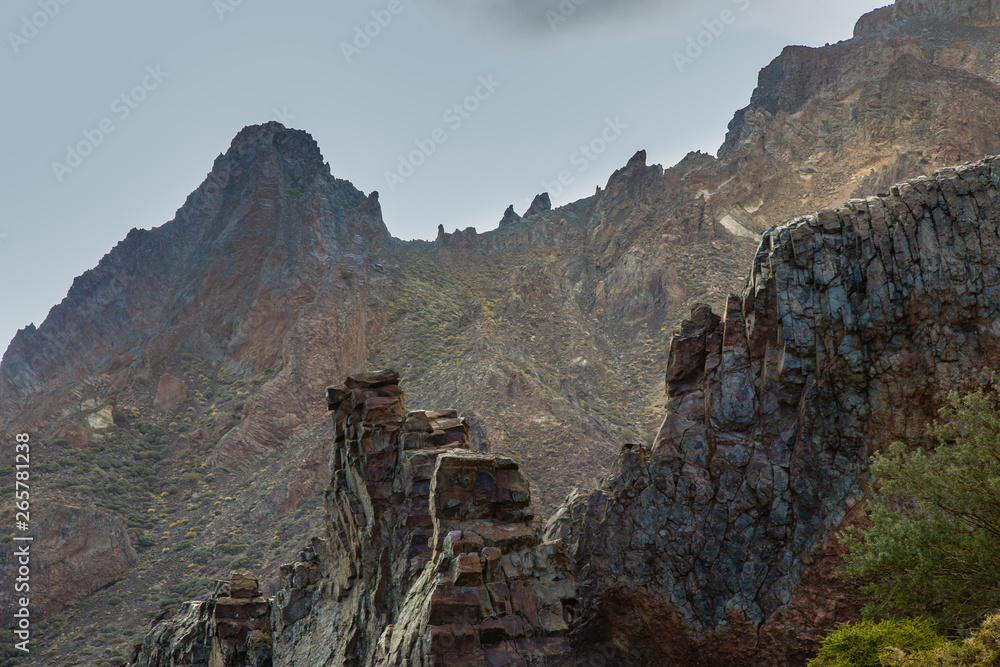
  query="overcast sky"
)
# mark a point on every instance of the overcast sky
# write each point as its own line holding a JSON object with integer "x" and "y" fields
{"x": 147, "y": 94}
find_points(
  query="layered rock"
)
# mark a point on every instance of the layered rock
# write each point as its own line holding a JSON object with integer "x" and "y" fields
{"x": 493, "y": 594}
{"x": 232, "y": 628}
{"x": 74, "y": 552}
{"x": 855, "y": 325}
{"x": 914, "y": 90}
{"x": 432, "y": 551}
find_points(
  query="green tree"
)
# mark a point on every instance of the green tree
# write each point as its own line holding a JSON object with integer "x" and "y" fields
{"x": 934, "y": 544}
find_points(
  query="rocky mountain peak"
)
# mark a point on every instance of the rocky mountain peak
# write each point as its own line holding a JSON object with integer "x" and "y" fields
{"x": 539, "y": 204}
{"x": 509, "y": 216}
{"x": 253, "y": 140}
{"x": 285, "y": 225}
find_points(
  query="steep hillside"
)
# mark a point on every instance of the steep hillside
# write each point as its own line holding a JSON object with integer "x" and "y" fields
{"x": 175, "y": 390}
{"x": 914, "y": 90}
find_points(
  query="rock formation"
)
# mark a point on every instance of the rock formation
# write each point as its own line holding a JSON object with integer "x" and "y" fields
{"x": 717, "y": 543}
{"x": 275, "y": 276}
{"x": 855, "y": 325}
{"x": 74, "y": 552}
{"x": 232, "y": 628}
{"x": 432, "y": 556}
{"x": 268, "y": 204}
{"x": 540, "y": 204}
{"x": 169, "y": 392}
{"x": 509, "y": 216}
{"x": 914, "y": 90}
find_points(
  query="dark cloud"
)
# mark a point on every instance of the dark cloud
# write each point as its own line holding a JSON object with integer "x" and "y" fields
{"x": 537, "y": 18}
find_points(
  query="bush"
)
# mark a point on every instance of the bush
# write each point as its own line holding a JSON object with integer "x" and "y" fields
{"x": 934, "y": 544}
{"x": 870, "y": 644}
{"x": 980, "y": 650}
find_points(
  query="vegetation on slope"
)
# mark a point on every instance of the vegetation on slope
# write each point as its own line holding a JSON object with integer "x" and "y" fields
{"x": 930, "y": 560}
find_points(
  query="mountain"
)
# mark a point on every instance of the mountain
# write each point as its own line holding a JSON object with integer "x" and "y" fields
{"x": 915, "y": 89}
{"x": 718, "y": 544}
{"x": 177, "y": 390}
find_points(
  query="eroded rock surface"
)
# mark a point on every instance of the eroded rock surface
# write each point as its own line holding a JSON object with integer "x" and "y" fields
{"x": 432, "y": 554}
{"x": 74, "y": 552}
{"x": 232, "y": 628}
{"x": 855, "y": 325}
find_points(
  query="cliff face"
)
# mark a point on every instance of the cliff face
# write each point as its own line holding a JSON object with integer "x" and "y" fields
{"x": 432, "y": 556}
{"x": 915, "y": 89}
{"x": 855, "y": 325}
{"x": 176, "y": 385}
{"x": 74, "y": 551}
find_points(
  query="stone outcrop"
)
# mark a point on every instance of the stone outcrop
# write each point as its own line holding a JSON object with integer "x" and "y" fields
{"x": 461, "y": 239}
{"x": 509, "y": 216}
{"x": 540, "y": 204}
{"x": 493, "y": 594}
{"x": 232, "y": 628}
{"x": 169, "y": 392}
{"x": 855, "y": 325}
{"x": 432, "y": 554}
{"x": 75, "y": 551}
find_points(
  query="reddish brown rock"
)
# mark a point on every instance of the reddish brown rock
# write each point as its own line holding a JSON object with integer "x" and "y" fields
{"x": 170, "y": 391}
{"x": 232, "y": 628}
{"x": 243, "y": 584}
{"x": 429, "y": 534}
{"x": 75, "y": 551}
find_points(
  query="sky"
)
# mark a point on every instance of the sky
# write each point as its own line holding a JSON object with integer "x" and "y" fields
{"x": 451, "y": 109}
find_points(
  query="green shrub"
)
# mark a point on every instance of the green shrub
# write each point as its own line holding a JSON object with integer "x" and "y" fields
{"x": 982, "y": 649}
{"x": 870, "y": 644}
{"x": 934, "y": 544}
